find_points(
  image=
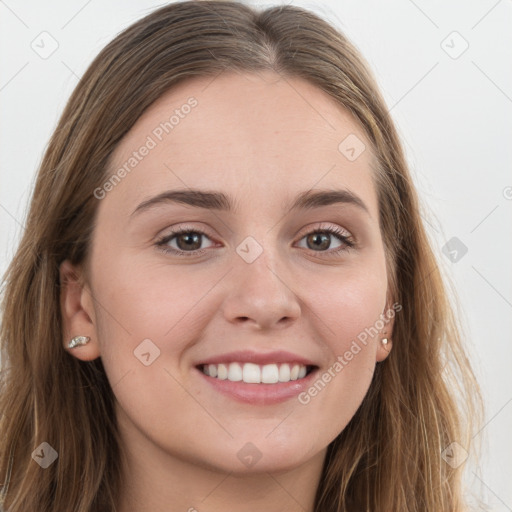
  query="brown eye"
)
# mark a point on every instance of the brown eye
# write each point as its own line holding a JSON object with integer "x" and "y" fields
{"x": 320, "y": 240}
{"x": 188, "y": 240}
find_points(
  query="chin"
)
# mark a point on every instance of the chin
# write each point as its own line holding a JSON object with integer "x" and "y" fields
{"x": 264, "y": 455}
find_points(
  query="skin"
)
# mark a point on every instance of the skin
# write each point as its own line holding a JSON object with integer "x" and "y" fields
{"x": 262, "y": 140}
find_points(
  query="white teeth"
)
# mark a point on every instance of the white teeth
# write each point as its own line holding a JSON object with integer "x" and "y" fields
{"x": 222, "y": 371}
{"x": 235, "y": 372}
{"x": 256, "y": 374}
{"x": 270, "y": 374}
{"x": 284, "y": 373}
{"x": 252, "y": 373}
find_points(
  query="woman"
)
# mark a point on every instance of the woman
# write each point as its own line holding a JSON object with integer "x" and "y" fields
{"x": 225, "y": 297}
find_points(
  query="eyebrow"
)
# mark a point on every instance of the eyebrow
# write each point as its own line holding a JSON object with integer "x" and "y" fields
{"x": 219, "y": 201}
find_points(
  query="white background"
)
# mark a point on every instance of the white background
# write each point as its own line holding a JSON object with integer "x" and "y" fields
{"x": 454, "y": 116}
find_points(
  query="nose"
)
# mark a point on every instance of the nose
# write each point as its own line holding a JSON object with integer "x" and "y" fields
{"x": 261, "y": 294}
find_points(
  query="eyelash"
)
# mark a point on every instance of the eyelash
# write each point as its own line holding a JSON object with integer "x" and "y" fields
{"x": 162, "y": 242}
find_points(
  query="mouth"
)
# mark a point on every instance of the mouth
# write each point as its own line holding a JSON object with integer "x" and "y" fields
{"x": 257, "y": 377}
{"x": 251, "y": 373}
{"x": 257, "y": 384}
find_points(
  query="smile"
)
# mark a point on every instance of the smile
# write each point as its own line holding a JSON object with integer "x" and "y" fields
{"x": 251, "y": 373}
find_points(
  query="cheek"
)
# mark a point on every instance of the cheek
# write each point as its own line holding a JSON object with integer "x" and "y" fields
{"x": 146, "y": 307}
{"x": 156, "y": 301}
{"x": 347, "y": 311}
{"x": 349, "y": 304}
{"x": 148, "y": 316}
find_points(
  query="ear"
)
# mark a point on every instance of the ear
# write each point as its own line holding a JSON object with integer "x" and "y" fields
{"x": 77, "y": 312}
{"x": 388, "y": 317}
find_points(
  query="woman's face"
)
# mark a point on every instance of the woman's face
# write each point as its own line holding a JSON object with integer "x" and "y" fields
{"x": 252, "y": 280}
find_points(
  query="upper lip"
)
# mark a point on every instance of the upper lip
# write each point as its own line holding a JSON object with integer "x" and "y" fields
{"x": 249, "y": 356}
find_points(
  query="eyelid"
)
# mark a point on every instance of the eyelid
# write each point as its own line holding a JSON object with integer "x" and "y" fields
{"x": 335, "y": 230}
{"x": 315, "y": 226}
{"x": 162, "y": 240}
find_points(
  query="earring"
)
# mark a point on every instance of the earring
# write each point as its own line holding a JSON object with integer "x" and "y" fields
{"x": 384, "y": 341}
{"x": 78, "y": 340}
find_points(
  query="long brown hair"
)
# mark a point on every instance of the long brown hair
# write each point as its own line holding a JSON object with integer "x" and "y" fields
{"x": 423, "y": 396}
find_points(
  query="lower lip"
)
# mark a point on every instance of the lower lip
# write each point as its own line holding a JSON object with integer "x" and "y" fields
{"x": 260, "y": 394}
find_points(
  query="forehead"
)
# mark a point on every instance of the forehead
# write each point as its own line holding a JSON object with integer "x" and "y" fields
{"x": 251, "y": 133}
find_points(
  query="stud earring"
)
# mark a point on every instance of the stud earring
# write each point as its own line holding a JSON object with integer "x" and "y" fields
{"x": 384, "y": 341}
{"x": 78, "y": 340}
